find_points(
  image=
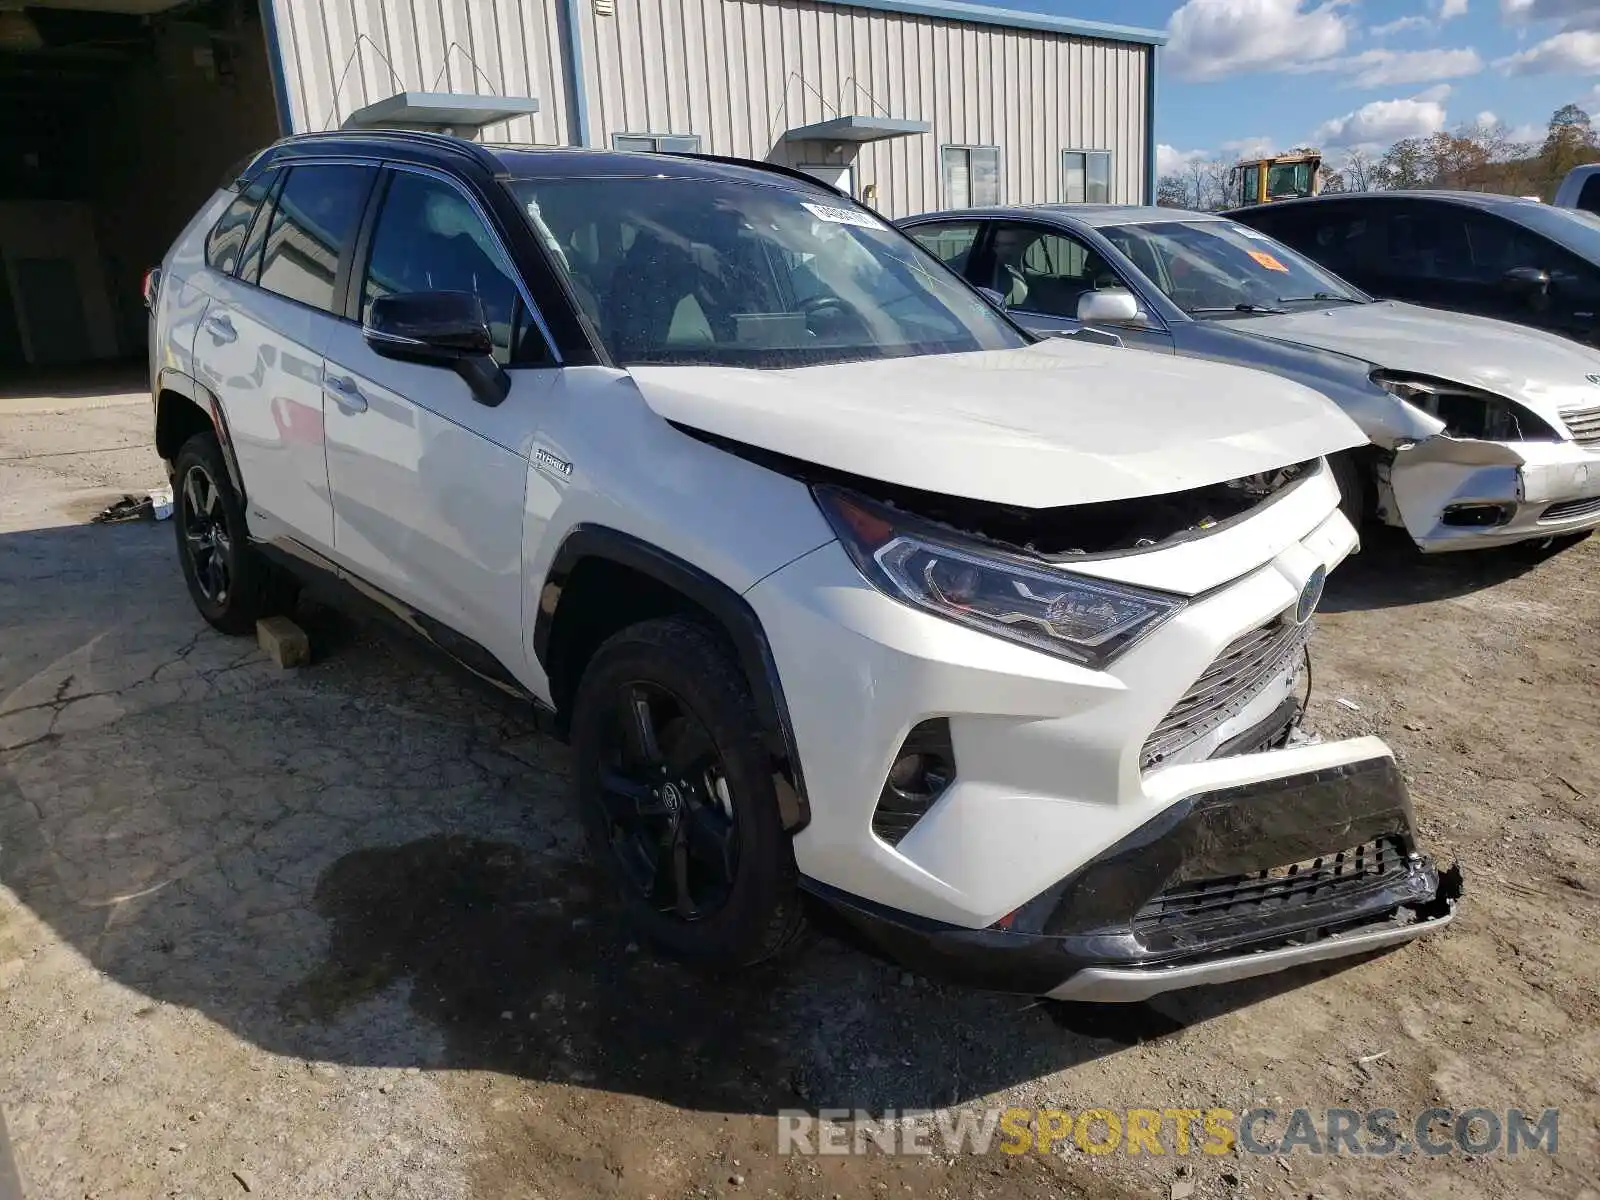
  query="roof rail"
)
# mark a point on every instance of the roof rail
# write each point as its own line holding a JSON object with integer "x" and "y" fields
{"x": 479, "y": 154}
{"x": 758, "y": 165}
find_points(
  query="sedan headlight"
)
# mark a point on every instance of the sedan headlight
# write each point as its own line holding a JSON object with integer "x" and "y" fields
{"x": 975, "y": 584}
{"x": 1467, "y": 412}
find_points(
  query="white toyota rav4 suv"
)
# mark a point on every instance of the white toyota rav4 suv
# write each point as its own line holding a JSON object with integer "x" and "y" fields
{"x": 838, "y": 581}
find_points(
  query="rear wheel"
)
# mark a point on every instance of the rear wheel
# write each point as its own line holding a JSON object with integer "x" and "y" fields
{"x": 677, "y": 799}
{"x": 229, "y": 582}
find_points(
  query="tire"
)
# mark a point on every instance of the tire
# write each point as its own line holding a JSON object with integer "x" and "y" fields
{"x": 743, "y": 903}
{"x": 208, "y": 521}
{"x": 1354, "y": 487}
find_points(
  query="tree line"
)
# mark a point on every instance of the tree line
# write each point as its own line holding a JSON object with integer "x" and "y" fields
{"x": 1477, "y": 157}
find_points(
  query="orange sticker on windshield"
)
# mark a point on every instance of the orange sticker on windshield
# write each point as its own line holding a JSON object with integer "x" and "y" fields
{"x": 1267, "y": 261}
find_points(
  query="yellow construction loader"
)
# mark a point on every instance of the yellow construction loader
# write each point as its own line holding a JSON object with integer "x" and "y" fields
{"x": 1283, "y": 177}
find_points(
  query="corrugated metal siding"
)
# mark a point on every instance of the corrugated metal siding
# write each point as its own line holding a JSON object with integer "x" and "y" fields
{"x": 340, "y": 55}
{"x": 741, "y": 72}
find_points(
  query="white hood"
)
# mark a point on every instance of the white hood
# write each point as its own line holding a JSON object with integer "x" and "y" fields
{"x": 1541, "y": 370}
{"x": 1053, "y": 424}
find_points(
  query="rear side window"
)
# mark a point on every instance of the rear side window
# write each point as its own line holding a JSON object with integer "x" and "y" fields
{"x": 950, "y": 244}
{"x": 226, "y": 239}
{"x": 1589, "y": 198}
{"x": 313, "y": 227}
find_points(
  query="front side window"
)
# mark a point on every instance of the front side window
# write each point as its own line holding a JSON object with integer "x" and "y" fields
{"x": 1044, "y": 271}
{"x": 971, "y": 176}
{"x": 657, "y": 143}
{"x": 1086, "y": 176}
{"x": 430, "y": 238}
{"x": 312, "y": 228}
{"x": 759, "y": 275}
{"x": 950, "y": 242}
{"x": 226, "y": 239}
{"x": 1225, "y": 269}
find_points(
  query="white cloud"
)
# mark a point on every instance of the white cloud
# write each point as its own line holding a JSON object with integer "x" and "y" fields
{"x": 1396, "y": 68}
{"x": 1574, "y": 13}
{"x": 1251, "y": 147}
{"x": 1383, "y": 122}
{"x": 1437, "y": 94}
{"x": 1488, "y": 119}
{"x": 1172, "y": 161}
{"x": 1449, "y": 10}
{"x": 1526, "y": 133}
{"x": 1575, "y": 52}
{"x": 1213, "y": 38}
{"x": 1401, "y": 25}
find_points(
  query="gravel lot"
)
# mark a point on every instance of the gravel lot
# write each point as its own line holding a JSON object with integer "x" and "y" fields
{"x": 328, "y": 932}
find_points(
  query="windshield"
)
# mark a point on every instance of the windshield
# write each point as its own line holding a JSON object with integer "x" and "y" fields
{"x": 1577, "y": 231}
{"x": 740, "y": 274}
{"x": 1219, "y": 267}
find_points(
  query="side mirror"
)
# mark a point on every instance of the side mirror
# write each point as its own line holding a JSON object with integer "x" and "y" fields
{"x": 439, "y": 329}
{"x": 1526, "y": 282}
{"x": 993, "y": 297}
{"x": 1114, "y": 306}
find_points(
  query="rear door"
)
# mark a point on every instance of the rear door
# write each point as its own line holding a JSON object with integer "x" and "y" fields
{"x": 429, "y": 483}
{"x": 260, "y": 343}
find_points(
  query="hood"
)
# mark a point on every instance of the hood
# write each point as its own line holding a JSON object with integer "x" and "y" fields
{"x": 1541, "y": 370}
{"x": 1048, "y": 425}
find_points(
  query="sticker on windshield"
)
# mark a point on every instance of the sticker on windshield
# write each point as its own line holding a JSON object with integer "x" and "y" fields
{"x": 841, "y": 216}
{"x": 1267, "y": 261}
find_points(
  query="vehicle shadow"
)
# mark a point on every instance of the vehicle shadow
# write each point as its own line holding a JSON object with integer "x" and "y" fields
{"x": 372, "y": 862}
{"x": 1389, "y": 572}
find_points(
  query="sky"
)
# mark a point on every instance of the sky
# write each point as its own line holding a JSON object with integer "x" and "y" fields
{"x": 1243, "y": 77}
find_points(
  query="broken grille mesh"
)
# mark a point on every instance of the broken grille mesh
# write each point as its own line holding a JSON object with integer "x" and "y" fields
{"x": 1271, "y": 892}
{"x": 1240, "y": 674}
{"x": 1584, "y": 423}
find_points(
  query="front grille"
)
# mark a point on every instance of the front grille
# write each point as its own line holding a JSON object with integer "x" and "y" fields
{"x": 1568, "y": 509}
{"x": 1240, "y": 674}
{"x": 1275, "y": 894}
{"x": 1584, "y": 424}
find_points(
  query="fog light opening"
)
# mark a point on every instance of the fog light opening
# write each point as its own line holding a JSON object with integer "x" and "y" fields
{"x": 1477, "y": 516}
{"x": 922, "y": 771}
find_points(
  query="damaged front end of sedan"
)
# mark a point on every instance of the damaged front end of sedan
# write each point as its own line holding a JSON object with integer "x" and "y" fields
{"x": 1482, "y": 469}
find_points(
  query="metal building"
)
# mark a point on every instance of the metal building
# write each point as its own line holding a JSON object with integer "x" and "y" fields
{"x": 910, "y": 104}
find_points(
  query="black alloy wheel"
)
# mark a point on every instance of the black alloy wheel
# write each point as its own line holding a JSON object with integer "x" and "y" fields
{"x": 205, "y": 535}
{"x": 664, "y": 796}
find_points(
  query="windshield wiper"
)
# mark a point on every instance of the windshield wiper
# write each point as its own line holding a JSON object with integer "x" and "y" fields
{"x": 1258, "y": 309}
{"x": 1319, "y": 296}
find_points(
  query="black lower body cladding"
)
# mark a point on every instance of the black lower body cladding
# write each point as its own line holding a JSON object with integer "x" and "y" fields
{"x": 1215, "y": 879}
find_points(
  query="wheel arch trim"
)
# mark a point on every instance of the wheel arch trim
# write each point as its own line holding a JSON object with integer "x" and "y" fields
{"x": 168, "y": 379}
{"x": 732, "y": 612}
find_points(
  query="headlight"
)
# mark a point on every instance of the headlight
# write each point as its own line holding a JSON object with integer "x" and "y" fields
{"x": 1011, "y": 596}
{"x": 1467, "y": 412}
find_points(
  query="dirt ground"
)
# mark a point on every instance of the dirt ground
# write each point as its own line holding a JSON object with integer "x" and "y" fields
{"x": 329, "y": 933}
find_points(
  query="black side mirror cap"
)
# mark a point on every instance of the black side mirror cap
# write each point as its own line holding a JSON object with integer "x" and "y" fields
{"x": 439, "y": 329}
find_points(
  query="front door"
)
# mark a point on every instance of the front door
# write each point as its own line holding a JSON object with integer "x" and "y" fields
{"x": 429, "y": 484}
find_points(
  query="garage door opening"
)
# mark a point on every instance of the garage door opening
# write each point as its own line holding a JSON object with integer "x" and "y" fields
{"x": 121, "y": 116}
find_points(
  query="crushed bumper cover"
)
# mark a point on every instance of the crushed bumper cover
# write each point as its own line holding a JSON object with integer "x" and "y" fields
{"x": 1523, "y": 490}
{"x": 1224, "y": 885}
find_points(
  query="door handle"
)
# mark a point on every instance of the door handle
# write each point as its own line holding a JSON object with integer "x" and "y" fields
{"x": 345, "y": 393}
{"x": 221, "y": 328}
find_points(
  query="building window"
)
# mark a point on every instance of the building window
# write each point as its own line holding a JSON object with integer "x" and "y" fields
{"x": 1086, "y": 176}
{"x": 971, "y": 176}
{"x": 657, "y": 143}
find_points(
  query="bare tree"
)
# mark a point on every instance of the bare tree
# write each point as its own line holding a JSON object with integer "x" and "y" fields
{"x": 1358, "y": 170}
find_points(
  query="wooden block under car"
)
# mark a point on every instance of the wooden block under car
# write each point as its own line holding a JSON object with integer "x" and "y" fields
{"x": 284, "y": 641}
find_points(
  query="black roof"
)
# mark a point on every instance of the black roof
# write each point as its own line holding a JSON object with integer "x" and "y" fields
{"x": 1482, "y": 200}
{"x": 528, "y": 162}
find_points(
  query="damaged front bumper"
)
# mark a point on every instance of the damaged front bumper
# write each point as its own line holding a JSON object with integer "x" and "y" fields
{"x": 1224, "y": 885}
{"x": 1460, "y": 494}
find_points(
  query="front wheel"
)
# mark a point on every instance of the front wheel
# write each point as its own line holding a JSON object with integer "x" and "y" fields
{"x": 1354, "y": 486}
{"x": 229, "y": 582}
{"x": 676, "y": 795}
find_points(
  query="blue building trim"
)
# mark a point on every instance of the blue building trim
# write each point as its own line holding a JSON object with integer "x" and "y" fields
{"x": 1010, "y": 18}
{"x": 577, "y": 82}
{"x": 1151, "y": 75}
{"x": 280, "y": 83}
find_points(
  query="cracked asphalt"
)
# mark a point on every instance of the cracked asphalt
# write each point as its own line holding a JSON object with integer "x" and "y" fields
{"x": 329, "y": 932}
